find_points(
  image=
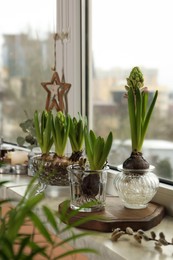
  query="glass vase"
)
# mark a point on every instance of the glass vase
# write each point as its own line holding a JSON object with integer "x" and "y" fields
{"x": 136, "y": 188}
{"x": 87, "y": 188}
{"x": 50, "y": 172}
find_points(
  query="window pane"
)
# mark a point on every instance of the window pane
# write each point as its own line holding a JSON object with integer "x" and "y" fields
{"x": 126, "y": 34}
{"x": 26, "y": 58}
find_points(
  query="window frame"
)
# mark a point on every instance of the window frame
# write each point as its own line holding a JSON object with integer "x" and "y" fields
{"x": 165, "y": 192}
{"x": 72, "y": 50}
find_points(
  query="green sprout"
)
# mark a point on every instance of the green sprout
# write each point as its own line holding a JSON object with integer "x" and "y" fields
{"x": 15, "y": 244}
{"x": 76, "y": 134}
{"x": 97, "y": 149}
{"x": 43, "y": 130}
{"x": 140, "y": 110}
{"x": 60, "y": 131}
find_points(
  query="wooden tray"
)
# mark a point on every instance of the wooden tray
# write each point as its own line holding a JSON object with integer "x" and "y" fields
{"x": 116, "y": 215}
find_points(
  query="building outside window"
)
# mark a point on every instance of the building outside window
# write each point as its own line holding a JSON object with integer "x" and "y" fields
{"x": 26, "y": 58}
{"x": 125, "y": 34}
{"x": 28, "y": 53}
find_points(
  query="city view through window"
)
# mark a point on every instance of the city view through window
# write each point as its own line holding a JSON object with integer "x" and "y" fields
{"x": 126, "y": 34}
{"x": 26, "y": 58}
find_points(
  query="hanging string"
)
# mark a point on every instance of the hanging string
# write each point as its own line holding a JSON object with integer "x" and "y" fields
{"x": 62, "y": 41}
{"x": 67, "y": 31}
{"x": 62, "y": 16}
{"x": 67, "y": 16}
{"x": 62, "y": 34}
{"x": 63, "y": 75}
{"x": 55, "y": 37}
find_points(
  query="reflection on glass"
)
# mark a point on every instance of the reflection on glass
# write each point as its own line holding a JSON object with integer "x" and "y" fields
{"x": 126, "y": 34}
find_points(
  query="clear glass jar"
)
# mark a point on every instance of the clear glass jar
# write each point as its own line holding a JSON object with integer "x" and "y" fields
{"x": 87, "y": 188}
{"x": 136, "y": 188}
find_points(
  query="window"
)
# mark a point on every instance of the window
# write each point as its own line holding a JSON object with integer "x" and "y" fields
{"x": 27, "y": 55}
{"x": 122, "y": 36}
{"x": 26, "y": 58}
{"x": 127, "y": 34}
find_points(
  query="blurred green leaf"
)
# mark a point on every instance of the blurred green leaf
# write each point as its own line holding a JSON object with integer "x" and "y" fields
{"x": 26, "y": 211}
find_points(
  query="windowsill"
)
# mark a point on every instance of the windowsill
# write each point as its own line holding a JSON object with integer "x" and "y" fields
{"x": 125, "y": 248}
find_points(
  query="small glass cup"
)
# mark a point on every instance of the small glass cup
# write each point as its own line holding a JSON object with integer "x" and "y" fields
{"x": 87, "y": 188}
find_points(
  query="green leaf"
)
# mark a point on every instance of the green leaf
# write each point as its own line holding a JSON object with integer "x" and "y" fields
{"x": 6, "y": 251}
{"x": 76, "y": 134}
{"x": 144, "y": 104}
{"x": 97, "y": 149}
{"x": 66, "y": 132}
{"x": 43, "y": 131}
{"x": 92, "y": 137}
{"x": 137, "y": 106}
{"x": 37, "y": 129}
{"x": 26, "y": 211}
{"x": 88, "y": 148}
{"x": 40, "y": 226}
{"x": 148, "y": 117}
{"x": 107, "y": 148}
{"x": 138, "y": 117}
{"x": 61, "y": 128}
{"x": 132, "y": 117}
{"x": 43, "y": 121}
{"x": 80, "y": 134}
{"x": 47, "y": 133}
{"x": 76, "y": 251}
{"x": 72, "y": 136}
{"x": 24, "y": 244}
{"x": 51, "y": 218}
{"x": 73, "y": 236}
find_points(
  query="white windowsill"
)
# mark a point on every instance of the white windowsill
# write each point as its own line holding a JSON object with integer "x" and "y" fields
{"x": 126, "y": 248}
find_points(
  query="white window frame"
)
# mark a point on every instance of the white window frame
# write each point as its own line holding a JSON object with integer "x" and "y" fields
{"x": 76, "y": 74}
{"x": 72, "y": 53}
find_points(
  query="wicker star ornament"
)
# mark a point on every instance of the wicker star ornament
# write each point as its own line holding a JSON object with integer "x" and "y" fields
{"x": 57, "y": 91}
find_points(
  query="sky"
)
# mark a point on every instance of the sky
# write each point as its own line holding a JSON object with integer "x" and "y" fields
{"x": 16, "y": 15}
{"x": 134, "y": 33}
{"x": 22, "y": 16}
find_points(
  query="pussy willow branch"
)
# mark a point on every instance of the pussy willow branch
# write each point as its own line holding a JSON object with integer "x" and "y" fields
{"x": 140, "y": 234}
